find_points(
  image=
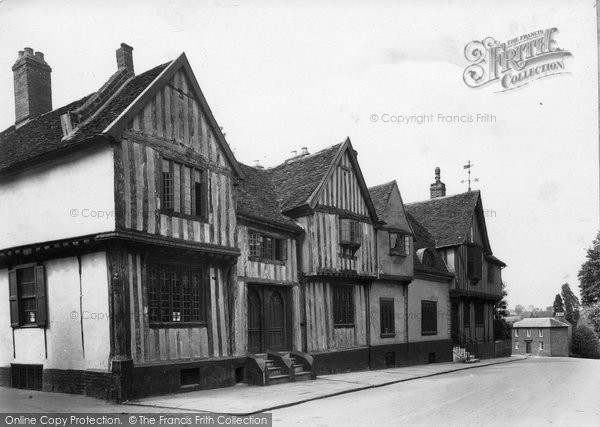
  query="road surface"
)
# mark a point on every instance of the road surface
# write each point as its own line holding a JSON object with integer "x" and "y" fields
{"x": 533, "y": 392}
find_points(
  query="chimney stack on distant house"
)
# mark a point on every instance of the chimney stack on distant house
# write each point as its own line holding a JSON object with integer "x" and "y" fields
{"x": 438, "y": 188}
{"x": 33, "y": 90}
{"x": 125, "y": 57}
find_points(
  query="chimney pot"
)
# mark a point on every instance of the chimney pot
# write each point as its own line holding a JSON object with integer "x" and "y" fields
{"x": 438, "y": 188}
{"x": 294, "y": 153}
{"x": 305, "y": 151}
{"x": 33, "y": 89}
{"x": 125, "y": 57}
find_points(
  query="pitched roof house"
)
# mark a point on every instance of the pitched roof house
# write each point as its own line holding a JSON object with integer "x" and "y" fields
{"x": 457, "y": 227}
{"x": 541, "y": 336}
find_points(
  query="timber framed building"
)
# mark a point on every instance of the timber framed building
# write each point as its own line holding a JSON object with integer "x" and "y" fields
{"x": 140, "y": 257}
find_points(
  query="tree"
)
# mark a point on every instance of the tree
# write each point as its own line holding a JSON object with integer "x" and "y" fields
{"x": 589, "y": 275}
{"x": 558, "y": 306}
{"x": 501, "y": 328}
{"x": 592, "y": 312}
{"x": 585, "y": 343}
{"x": 571, "y": 304}
{"x": 519, "y": 309}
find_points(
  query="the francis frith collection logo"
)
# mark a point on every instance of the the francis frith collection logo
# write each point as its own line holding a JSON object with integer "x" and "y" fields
{"x": 514, "y": 63}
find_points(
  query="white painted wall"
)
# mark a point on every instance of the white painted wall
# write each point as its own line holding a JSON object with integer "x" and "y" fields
{"x": 59, "y": 200}
{"x": 66, "y": 318}
{"x": 419, "y": 290}
{"x": 382, "y": 289}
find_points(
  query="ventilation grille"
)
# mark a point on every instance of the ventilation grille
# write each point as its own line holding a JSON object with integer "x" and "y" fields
{"x": 27, "y": 376}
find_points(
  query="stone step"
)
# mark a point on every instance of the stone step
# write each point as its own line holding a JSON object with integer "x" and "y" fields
{"x": 274, "y": 371}
{"x": 302, "y": 376}
{"x": 298, "y": 368}
{"x": 278, "y": 379}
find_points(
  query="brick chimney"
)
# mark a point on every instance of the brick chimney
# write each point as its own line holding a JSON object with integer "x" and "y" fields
{"x": 125, "y": 57}
{"x": 33, "y": 91}
{"x": 438, "y": 188}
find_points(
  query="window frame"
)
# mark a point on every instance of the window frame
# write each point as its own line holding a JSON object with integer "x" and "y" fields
{"x": 343, "y": 316}
{"x": 198, "y": 195}
{"x": 541, "y": 346}
{"x": 541, "y": 333}
{"x": 350, "y": 236}
{"x": 405, "y": 248}
{"x": 528, "y": 333}
{"x": 387, "y": 317}
{"x": 17, "y": 309}
{"x": 516, "y": 345}
{"x": 276, "y": 252}
{"x": 517, "y": 332}
{"x": 432, "y": 320}
{"x": 192, "y": 298}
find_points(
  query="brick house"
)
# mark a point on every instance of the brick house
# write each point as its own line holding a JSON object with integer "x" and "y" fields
{"x": 541, "y": 336}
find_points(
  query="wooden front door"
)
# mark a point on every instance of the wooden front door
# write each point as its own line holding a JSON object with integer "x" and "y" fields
{"x": 267, "y": 319}
{"x": 528, "y": 347}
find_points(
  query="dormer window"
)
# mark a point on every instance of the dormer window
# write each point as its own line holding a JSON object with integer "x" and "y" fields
{"x": 399, "y": 244}
{"x": 426, "y": 257}
{"x": 350, "y": 236}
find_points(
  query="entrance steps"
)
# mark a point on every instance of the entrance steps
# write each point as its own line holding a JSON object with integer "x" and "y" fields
{"x": 460, "y": 354}
{"x": 275, "y": 367}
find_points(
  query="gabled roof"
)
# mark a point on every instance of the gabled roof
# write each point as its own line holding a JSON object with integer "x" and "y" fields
{"x": 43, "y": 135}
{"x": 255, "y": 199}
{"x": 540, "y": 322}
{"x": 119, "y": 122}
{"x": 301, "y": 181}
{"x": 449, "y": 218}
{"x": 380, "y": 195}
{"x": 297, "y": 180}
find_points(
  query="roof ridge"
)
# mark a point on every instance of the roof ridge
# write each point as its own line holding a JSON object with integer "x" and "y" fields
{"x": 443, "y": 197}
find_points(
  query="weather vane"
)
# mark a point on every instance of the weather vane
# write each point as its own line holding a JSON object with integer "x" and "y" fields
{"x": 468, "y": 166}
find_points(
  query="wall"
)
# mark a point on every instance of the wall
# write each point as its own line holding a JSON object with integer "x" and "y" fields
{"x": 395, "y": 218}
{"x": 77, "y": 335}
{"x": 418, "y": 291}
{"x": 321, "y": 249}
{"x": 560, "y": 342}
{"x": 383, "y": 289}
{"x": 69, "y": 194}
{"x": 320, "y": 331}
{"x": 276, "y": 273}
{"x": 173, "y": 344}
{"x": 555, "y": 341}
{"x": 174, "y": 127}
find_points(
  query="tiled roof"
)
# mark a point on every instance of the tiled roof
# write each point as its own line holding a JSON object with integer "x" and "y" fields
{"x": 540, "y": 322}
{"x": 380, "y": 194}
{"x": 296, "y": 180}
{"x": 43, "y": 135}
{"x": 424, "y": 239}
{"x": 255, "y": 198}
{"x": 448, "y": 218}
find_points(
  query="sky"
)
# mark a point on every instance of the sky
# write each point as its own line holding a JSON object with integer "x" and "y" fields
{"x": 279, "y": 76}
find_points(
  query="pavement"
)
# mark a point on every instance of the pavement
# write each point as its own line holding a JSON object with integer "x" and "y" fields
{"x": 243, "y": 399}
